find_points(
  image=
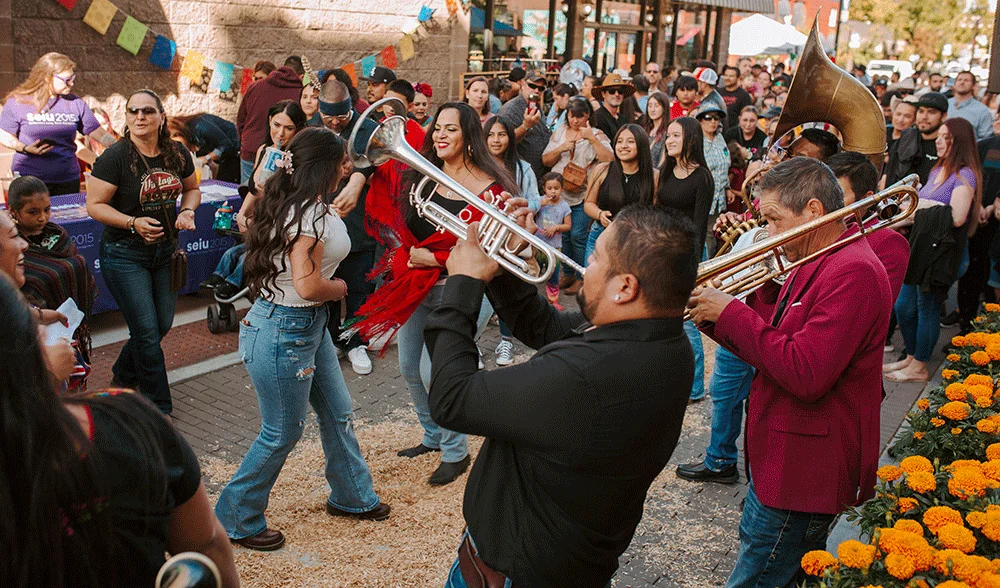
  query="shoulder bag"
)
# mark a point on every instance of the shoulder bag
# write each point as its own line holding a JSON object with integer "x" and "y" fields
{"x": 179, "y": 258}
{"x": 574, "y": 176}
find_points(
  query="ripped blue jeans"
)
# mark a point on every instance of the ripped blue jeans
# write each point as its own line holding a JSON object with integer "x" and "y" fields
{"x": 293, "y": 364}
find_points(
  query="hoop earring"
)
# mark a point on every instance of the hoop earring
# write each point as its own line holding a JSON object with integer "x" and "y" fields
{"x": 469, "y": 149}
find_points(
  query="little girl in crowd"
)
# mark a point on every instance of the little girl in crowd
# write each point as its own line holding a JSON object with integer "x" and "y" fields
{"x": 553, "y": 220}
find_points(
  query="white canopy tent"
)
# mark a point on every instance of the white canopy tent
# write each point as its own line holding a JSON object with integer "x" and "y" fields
{"x": 760, "y": 35}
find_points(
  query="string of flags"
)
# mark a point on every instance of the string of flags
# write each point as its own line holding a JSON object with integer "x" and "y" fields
{"x": 214, "y": 75}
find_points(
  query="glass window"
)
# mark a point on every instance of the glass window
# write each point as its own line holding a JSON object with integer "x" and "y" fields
{"x": 623, "y": 13}
{"x": 626, "y": 51}
{"x": 606, "y": 53}
{"x": 535, "y": 24}
{"x": 588, "y": 45}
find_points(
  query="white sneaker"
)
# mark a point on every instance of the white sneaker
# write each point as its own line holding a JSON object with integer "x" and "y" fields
{"x": 480, "y": 351}
{"x": 360, "y": 362}
{"x": 889, "y": 348}
{"x": 505, "y": 352}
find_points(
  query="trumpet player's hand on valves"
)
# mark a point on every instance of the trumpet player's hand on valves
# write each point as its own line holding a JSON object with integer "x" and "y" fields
{"x": 707, "y": 303}
{"x": 468, "y": 258}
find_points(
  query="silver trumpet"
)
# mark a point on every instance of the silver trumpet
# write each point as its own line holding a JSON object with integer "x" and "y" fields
{"x": 374, "y": 143}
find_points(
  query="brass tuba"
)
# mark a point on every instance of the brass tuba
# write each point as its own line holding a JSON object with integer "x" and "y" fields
{"x": 820, "y": 92}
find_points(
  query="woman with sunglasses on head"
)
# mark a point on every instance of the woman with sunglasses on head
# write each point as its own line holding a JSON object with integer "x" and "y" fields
{"x": 40, "y": 120}
{"x": 415, "y": 266}
{"x": 293, "y": 247}
{"x": 134, "y": 191}
{"x": 629, "y": 178}
{"x": 576, "y": 142}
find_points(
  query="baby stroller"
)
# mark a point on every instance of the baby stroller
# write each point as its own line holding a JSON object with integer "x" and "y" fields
{"x": 222, "y": 314}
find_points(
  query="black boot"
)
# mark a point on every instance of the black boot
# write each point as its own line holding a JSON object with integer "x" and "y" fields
{"x": 699, "y": 472}
{"x": 416, "y": 451}
{"x": 449, "y": 472}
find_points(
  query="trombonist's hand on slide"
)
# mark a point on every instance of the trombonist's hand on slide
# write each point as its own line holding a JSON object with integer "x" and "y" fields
{"x": 707, "y": 303}
{"x": 467, "y": 258}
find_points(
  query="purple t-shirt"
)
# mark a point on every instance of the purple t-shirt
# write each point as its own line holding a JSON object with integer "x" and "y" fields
{"x": 943, "y": 192}
{"x": 61, "y": 119}
{"x": 551, "y": 215}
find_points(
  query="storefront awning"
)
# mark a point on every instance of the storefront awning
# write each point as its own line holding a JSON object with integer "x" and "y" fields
{"x": 763, "y": 6}
{"x": 477, "y": 22}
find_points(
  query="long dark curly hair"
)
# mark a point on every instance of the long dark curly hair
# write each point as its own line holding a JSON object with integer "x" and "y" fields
{"x": 173, "y": 159}
{"x": 56, "y": 521}
{"x": 288, "y": 203}
{"x": 476, "y": 151}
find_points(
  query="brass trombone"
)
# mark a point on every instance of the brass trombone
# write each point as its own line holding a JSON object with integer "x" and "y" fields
{"x": 499, "y": 234}
{"x": 741, "y": 272}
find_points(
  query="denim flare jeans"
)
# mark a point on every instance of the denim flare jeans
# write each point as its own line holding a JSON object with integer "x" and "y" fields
{"x": 415, "y": 367}
{"x": 138, "y": 276}
{"x": 293, "y": 364}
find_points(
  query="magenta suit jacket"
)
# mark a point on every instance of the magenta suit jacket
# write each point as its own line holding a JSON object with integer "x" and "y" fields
{"x": 812, "y": 440}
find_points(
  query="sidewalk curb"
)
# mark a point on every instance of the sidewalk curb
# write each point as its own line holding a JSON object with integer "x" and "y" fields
{"x": 201, "y": 368}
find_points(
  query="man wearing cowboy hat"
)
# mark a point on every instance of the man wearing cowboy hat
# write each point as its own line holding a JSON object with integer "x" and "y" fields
{"x": 612, "y": 93}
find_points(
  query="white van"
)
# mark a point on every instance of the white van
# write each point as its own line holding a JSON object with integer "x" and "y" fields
{"x": 886, "y": 67}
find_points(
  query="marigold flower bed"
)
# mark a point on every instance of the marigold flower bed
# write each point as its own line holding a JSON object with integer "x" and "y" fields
{"x": 935, "y": 518}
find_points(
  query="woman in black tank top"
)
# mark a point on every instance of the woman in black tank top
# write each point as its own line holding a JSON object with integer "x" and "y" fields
{"x": 627, "y": 179}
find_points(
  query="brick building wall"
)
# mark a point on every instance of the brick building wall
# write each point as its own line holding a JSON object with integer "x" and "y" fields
{"x": 329, "y": 32}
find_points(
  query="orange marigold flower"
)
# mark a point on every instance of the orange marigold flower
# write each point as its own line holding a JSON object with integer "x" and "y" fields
{"x": 978, "y": 380}
{"x": 918, "y": 435}
{"x": 906, "y": 505}
{"x": 967, "y": 482}
{"x": 953, "y": 357}
{"x": 955, "y": 536}
{"x": 900, "y": 566}
{"x": 958, "y": 341}
{"x": 991, "y": 528}
{"x": 909, "y": 525}
{"x": 953, "y": 584}
{"x": 855, "y": 554}
{"x": 923, "y": 404}
{"x": 986, "y": 426}
{"x": 949, "y": 374}
{"x": 984, "y": 401}
{"x": 991, "y": 470}
{"x": 993, "y": 350}
{"x": 956, "y": 391}
{"x": 918, "y": 463}
{"x": 980, "y": 358}
{"x": 976, "y": 519}
{"x": 966, "y": 568}
{"x": 938, "y": 516}
{"x": 955, "y": 431}
{"x": 993, "y": 451}
{"x": 955, "y": 411}
{"x": 962, "y": 463}
{"x": 909, "y": 544}
{"x": 991, "y": 307}
{"x": 889, "y": 473}
{"x": 937, "y": 422}
{"x": 815, "y": 563}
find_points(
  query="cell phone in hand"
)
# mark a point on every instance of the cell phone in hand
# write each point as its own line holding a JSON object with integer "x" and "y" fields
{"x": 533, "y": 101}
{"x": 49, "y": 142}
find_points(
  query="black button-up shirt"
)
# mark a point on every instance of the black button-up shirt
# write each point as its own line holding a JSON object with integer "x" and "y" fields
{"x": 574, "y": 436}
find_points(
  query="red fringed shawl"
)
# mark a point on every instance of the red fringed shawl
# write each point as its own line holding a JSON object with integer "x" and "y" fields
{"x": 385, "y": 311}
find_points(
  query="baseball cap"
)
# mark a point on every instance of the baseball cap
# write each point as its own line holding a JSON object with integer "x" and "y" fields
{"x": 881, "y": 82}
{"x": 381, "y": 75}
{"x": 704, "y": 74}
{"x": 773, "y": 112}
{"x": 935, "y": 100}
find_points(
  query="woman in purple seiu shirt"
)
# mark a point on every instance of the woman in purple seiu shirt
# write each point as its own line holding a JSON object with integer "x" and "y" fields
{"x": 40, "y": 121}
{"x": 955, "y": 181}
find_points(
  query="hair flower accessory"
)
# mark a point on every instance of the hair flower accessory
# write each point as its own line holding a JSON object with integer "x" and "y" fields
{"x": 285, "y": 162}
{"x": 424, "y": 89}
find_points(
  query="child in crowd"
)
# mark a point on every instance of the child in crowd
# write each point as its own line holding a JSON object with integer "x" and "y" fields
{"x": 553, "y": 220}
{"x": 53, "y": 268}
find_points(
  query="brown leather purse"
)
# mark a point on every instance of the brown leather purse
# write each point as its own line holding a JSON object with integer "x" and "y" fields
{"x": 179, "y": 258}
{"x": 574, "y": 176}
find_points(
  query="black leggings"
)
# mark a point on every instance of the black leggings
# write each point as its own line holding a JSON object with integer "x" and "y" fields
{"x": 975, "y": 283}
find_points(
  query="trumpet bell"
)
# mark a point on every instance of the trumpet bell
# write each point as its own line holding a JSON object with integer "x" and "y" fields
{"x": 189, "y": 570}
{"x": 370, "y": 143}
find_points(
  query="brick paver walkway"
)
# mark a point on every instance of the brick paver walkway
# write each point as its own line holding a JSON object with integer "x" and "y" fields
{"x": 688, "y": 536}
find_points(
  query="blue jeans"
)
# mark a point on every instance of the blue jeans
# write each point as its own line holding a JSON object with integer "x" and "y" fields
{"x": 293, "y": 364}
{"x": 694, "y": 336}
{"x": 729, "y": 387}
{"x": 138, "y": 277}
{"x": 415, "y": 367}
{"x": 919, "y": 317}
{"x": 575, "y": 241}
{"x": 354, "y": 271}
{"x": 230, "y": 266}
{"x": 246, "y": 170}
{"x": 772, "y": 543}
{"x": 595, "y": 231}
{"x": 455, "y": 579}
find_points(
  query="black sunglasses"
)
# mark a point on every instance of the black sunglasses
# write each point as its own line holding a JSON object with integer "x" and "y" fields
{"x": 612, "y": 91}
{"x": 537, "y": 86}
{"x": 711, "y": 117}
{"x": 147, "y": 110}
